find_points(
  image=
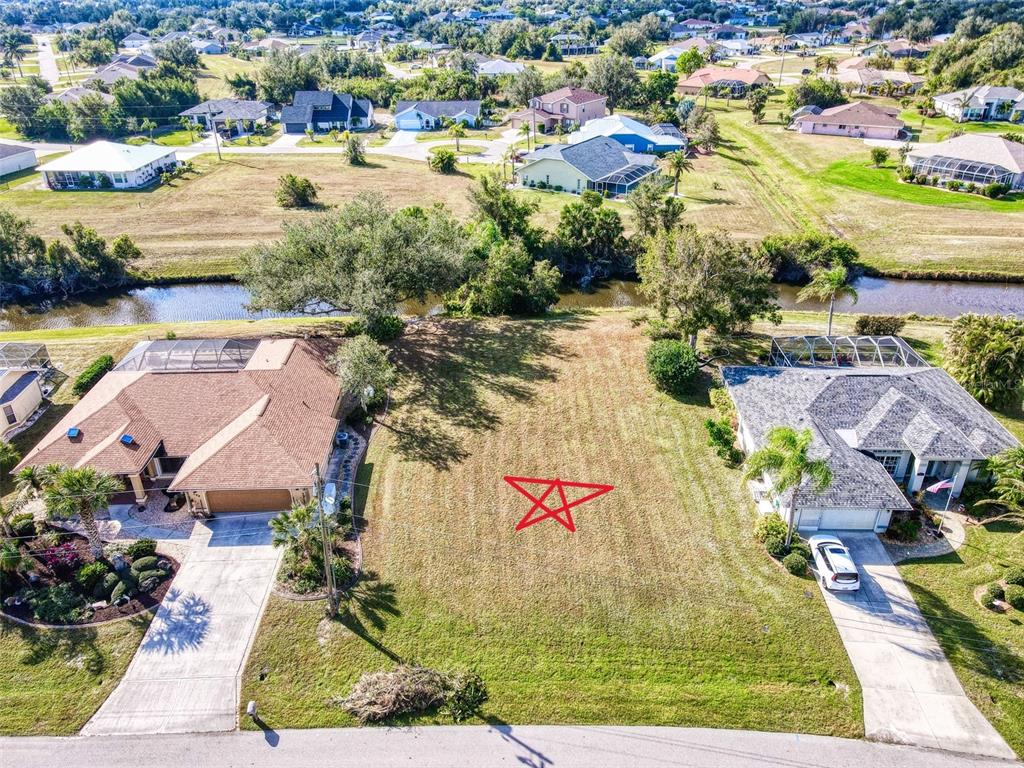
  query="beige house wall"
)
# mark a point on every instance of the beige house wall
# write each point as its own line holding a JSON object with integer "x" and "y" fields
{"x": 554, "y": 173}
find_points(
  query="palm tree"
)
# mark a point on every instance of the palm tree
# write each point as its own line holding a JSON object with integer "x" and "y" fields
{"x": 13, "y": 53}
{"x": 298, "y": 530}
{"x": 457, "y": 131}
{"x": 82, "y": 492}
{"x": 510, "y": 158}
{"x": 678, "y": 164}
{"x": 525, "y": 130}
{"x": 9, "y": 456}
{"x": 828, "y": 285}
{"x": 150, "y": 126}
{"x": 188, "y": 125}
{"x": 962, "y": 102}
{"x": 827, "y": 64}
{"x": 784, "y": 459}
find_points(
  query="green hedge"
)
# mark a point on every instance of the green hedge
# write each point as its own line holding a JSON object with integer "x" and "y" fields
{"x": 147, "y": 563}
{"x": 87, "y": 379}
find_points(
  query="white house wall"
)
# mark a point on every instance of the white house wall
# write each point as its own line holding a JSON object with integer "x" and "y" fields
{"x": 554, "y": 173}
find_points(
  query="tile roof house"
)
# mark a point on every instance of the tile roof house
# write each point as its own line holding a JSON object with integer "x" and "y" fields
{"x": 858, "y": 119}
{"x": 978, "y": 158}
{"x": 899, "y": 48}
{"x": 430, "y": 115}
{"x": 326, "y": 111}
{"x": 983, "y": 102}
{"x": 568, "y": 106}
{"x": 737, "y": 80}
{"x": 877, "y": 424}
{"x": 868, "y": 80}
{"x": 235, "y": 425}
{"x": 599, "y": 164}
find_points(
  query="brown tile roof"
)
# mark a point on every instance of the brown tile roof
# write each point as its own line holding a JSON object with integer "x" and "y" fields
{"x": 856, "y": 113}
{"x": 264, "y": 426}
{"x": 711, "y": 75}
{"x": 575, "y": 95}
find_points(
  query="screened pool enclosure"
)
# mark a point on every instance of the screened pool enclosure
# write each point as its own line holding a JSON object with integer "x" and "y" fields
{"x": 844, "y": 351}
{"x": 189, "y": 355}
{"x": 959, "y": 169}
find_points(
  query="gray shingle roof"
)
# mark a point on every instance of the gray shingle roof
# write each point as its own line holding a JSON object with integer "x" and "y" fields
{"x": 440, "y": 108}
{"x": 921, "y": 410}
{"x": 9, "y": 150}
{"x": 595, "y": 158}
{"x": 230, "y": 109}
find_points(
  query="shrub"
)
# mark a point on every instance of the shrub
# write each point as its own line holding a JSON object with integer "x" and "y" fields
{"x": 62, "y": 558}
{"x": 148, "y": 580}
{"x": 987, "y": 601}
{"x": 1015, "y": 596}
{"x": 722, "y": 403}
{"x": 58, "y": 605}
{"x": 995, "y": 591}
{"x": 879, "y": 156}
{"x": 795, "y": 563}
{"x": 342, "y": 571}
{"x": 23, "y": 524}
{"x": 94, "y": 372}
{"x": 141, "y": 548}
{"x": 106, "y": 587}
{"x": 1015, "y": 576}
{"x": 443, "y": 161}
{"x": 954, "y": 185}
{"x": 903, "y": 529}
{"x": 295, "y": 191}
{"x": 801, "y": 547}
{"x": 879, "y": 325}
{"x": 722, "y": 438}
{"x": 386, "y": 328}
{"x": 775, "y": 544}
{"x": 768, "y": 525}
{"x": 120, "y": 590}
{"x": 468, "y": 693}
{"x": 672, "y": 365}
{"x": 90, "y": 575}
{"x": 144, "y": 564}
{"x": 995, "y": 190}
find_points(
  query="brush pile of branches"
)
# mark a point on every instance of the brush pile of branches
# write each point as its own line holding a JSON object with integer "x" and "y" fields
{"x": 409, "y": 690}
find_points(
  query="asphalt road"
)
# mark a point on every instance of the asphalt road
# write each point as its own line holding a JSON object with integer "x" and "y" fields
{"x": 479, "y": 747}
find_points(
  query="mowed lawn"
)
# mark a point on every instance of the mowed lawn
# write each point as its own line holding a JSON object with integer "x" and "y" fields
{"x": 660, "y": 608}
{"x": 766, "y": 179}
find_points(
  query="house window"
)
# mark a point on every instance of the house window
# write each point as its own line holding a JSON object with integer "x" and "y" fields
{"x": 120, "y": 178}
{"x": 890, "y": 463}
{"x": 563, "y": 108}
{"x": 9, "y": 414}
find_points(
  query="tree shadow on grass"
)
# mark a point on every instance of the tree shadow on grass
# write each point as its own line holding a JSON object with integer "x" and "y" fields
{"x": 449, "y": 371}
{"x": 369, "y": 604}
{"x": 77, "y": 647}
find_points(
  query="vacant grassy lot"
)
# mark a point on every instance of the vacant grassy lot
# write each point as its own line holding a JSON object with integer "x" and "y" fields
{"x": 216, "y": 68}
{"x": 52, "y": 682}
{"x": 766, "y": 179}
{"x": 659, "y": 609}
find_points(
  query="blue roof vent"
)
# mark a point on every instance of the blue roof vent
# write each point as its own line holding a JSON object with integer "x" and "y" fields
{"x": 127, "y": 440}
{"x": 74, "y": 432}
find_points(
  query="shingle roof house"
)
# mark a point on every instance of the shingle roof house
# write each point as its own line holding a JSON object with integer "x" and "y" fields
{"x": 326, "y": 111}
{"x": 876, "y": 425}
{"x": 568, "y": 106}
{"x": 857, "y": 119}
{"x": 235, "y": 425}
{"x": 428, "y": 115}
{"x": 984, "y": 102}
{"x": 243, "y": 113}
{"x": 599, "y": 164}
{"x": 632, "y": 134}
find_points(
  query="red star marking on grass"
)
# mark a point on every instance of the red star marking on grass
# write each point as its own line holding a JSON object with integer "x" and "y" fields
{"x": 561, "y": 513}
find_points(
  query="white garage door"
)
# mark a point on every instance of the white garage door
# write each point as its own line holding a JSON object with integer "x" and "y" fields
{"x": 848, "y": 519}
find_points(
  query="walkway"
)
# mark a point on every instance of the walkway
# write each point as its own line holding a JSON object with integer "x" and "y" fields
{"x": 911, "y": 694}
{"x": 481, "y": 746}
{"x": 185, "y": 675}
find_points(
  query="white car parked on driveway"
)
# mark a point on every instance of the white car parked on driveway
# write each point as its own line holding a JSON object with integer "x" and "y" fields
{"x": 835, "y": 566}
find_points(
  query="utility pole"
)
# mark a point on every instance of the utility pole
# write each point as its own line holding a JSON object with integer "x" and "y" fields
{"x": 216, "y": 143}
{"x": 332, "y": 603}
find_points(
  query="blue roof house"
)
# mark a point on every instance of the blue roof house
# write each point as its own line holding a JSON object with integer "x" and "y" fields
{"x": 631, "y": 134}
{"x": 430, "y": 115}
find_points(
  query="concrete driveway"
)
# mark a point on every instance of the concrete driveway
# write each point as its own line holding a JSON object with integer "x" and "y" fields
{"x": 911, "y": 694}
{"x": 185, "y": 675}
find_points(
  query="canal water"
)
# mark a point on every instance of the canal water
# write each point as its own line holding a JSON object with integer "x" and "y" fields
{"x": 227, "y": 301}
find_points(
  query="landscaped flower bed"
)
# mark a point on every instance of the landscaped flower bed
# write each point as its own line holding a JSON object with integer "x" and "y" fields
{"x": 55, "y": 579}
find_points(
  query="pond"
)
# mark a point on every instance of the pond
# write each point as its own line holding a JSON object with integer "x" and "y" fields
{"x": 227, "y": 301}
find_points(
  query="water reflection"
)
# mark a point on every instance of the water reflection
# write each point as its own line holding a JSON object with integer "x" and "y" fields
{"x": 226, "y": 301}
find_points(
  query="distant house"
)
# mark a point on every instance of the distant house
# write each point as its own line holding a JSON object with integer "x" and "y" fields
{"x": 735, "y": 80}
{"x": 135, "y": 59}
{"x": 266, "y": 45}
{"x": 134, "y": 41}
{"x": 233, "y": 425}
{"x": 857, "y": 119}
{"x": 879, "y": 416}
{"x": 111, "y": 73}
{"x": 243, "y": 114}
{"x": 736, "y": 47}
{"x": 899, "y": 48}
{"x": 599, "y": 164}
{"x": 76, "y": 93}
{"x": 727, "y": 32}
{"x": 567, "y": 106}
{"x": 690, "y": 27}
{"x": 430, "y": 115}
{"x": 24, "y": 368}
{"x": 15, "y": 157}
{"x": 630, "y": 133}
{"x": 107, "y": 165}
{"x": 172, "y": 36}
{"x": 572, "y": 44}
{"x": 666, "y": 58}
{"x": 321, "y": 111}
{"x": 973, "y": 158}
{"x": 499, "y": 67}
{"x": 209, "y": 47}
{"x": 983, "y": 102}
{"x": 868, "y": 80}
